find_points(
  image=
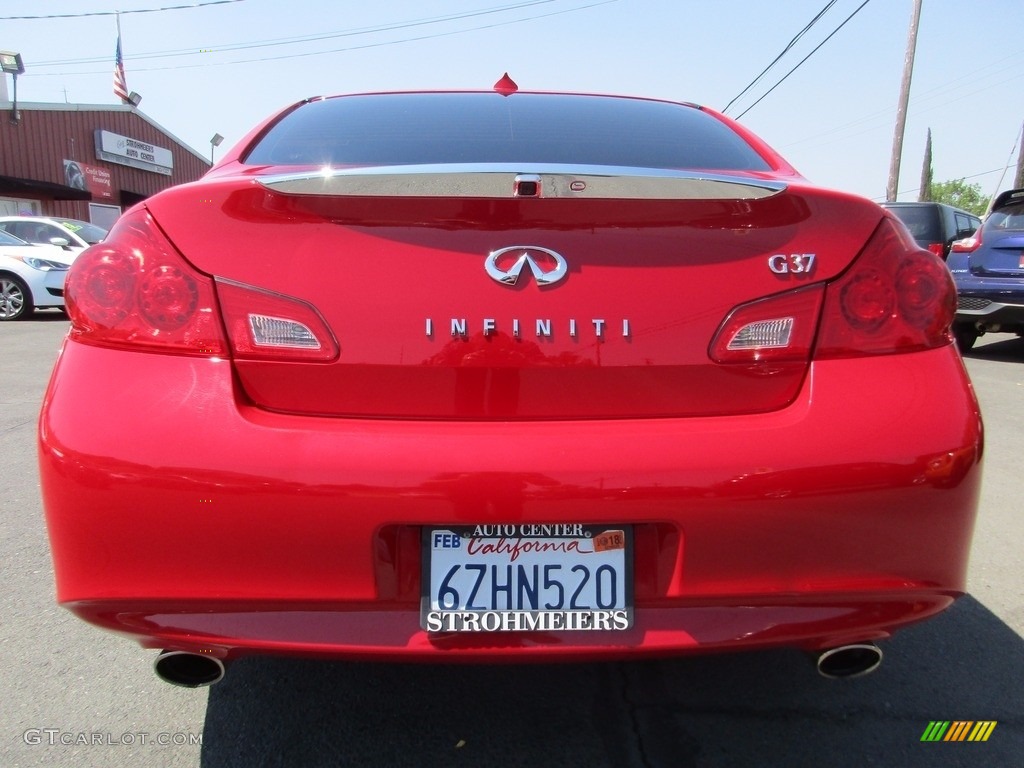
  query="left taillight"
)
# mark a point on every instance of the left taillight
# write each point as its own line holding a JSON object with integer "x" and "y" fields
{"x": 968, "y": 244}
{"x": 135, "y": 290}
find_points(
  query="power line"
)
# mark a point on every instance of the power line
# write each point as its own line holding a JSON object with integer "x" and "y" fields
{"x": 115, "y": 13}
{"x": 305, "y": 38}
{"x": 785, "y": 50}
{"x": 805, "y": 58}
{"x": 881, "y": 198}
{"x": 479, "y": 27}
{"x": 941, "y": 98}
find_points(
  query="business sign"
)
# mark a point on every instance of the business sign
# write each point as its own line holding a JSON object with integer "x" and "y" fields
{"x": 133, "y": 152}
{"x": 90, "y": 178}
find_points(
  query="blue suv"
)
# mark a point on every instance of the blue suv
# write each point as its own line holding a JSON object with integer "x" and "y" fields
{"x": 988, "y": 268}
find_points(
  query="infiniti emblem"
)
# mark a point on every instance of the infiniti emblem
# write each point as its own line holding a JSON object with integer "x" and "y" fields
{"x": 546, "y": 266}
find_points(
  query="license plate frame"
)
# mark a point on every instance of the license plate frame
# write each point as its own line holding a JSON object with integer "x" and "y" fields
{"x": 557, "y": 577}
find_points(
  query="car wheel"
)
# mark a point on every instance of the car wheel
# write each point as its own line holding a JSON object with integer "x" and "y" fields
{"x": 15, "y": 300}
{"x": 965, "y": 336}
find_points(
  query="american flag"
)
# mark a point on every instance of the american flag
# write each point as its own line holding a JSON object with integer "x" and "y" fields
{"x": 120, "y": 86}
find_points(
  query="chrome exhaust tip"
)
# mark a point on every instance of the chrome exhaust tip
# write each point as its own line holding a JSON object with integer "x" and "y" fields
{"x": 849, "y": 660}
{"x": 189, "y": 670}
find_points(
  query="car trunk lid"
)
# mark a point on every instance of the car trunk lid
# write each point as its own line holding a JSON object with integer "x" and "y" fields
{"x": 1001, "y": 256}
{"x": 622, "y": 278}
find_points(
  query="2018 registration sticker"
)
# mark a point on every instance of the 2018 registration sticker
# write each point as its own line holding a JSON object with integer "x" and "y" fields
{"x": 527, "y": 577}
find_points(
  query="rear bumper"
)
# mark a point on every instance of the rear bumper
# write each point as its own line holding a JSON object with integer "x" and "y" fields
{"x": 987, "y": 301}
{"x": 185, "y": 518}
{"x": 990, "y": 308}
{"x": 229, "y": 629}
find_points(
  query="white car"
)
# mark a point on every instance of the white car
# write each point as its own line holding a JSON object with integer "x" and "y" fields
{"x": 31, "y": 276}
{"x": 72, "y": 235}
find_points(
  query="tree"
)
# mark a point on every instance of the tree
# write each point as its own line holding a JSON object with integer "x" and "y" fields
{"x": 926, "y": 172}
{"x": 960, "y": 194}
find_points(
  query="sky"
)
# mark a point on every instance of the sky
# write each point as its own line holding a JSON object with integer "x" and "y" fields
{"x": 206, "y": 67}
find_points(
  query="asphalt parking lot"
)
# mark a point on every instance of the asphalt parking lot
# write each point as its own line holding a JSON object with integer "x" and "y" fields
{"x": 73, "y": 695}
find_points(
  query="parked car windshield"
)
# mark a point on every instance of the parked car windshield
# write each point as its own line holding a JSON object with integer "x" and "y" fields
{"x": 8, "y": 239}
{"x": 88, "y": 232}
{"x": 413, "y": 129}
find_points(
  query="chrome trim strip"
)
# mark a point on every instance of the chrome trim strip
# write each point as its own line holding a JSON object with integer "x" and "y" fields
{"x": 500, "y": 180}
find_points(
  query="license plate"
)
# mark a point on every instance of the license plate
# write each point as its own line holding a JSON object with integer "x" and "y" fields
{"x": 527, "y": 577}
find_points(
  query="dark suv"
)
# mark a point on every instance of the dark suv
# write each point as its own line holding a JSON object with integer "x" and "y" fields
{"x": 935, "y": 225}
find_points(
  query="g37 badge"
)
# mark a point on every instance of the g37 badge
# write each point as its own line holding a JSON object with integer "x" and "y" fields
{"x": 793, "y": 264}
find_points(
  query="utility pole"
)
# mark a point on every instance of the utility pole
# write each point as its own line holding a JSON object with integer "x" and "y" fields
{"x": 1018, "y": 179}
{"x": 901, "y": 110}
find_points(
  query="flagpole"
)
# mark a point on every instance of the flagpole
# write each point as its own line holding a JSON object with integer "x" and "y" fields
{"x": 120, "y": 48}
{"x": 120, "y": 83}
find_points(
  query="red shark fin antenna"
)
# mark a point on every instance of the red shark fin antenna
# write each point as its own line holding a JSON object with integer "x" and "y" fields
{"x": 506, "y": 86}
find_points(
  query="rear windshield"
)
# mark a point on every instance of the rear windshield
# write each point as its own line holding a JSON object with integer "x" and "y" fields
{"x": 922, "y": 221}
{"x": 414, "y": 129}
{"x": 1006, "y": 219}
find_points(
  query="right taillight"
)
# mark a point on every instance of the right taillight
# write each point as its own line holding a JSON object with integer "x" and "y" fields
{"x": 893, "y": 298}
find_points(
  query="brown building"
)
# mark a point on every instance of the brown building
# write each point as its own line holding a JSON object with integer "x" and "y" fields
{"x": 86, "y": 162}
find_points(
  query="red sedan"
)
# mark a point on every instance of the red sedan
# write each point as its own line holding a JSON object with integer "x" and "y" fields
{"x": 507, "y": 376}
